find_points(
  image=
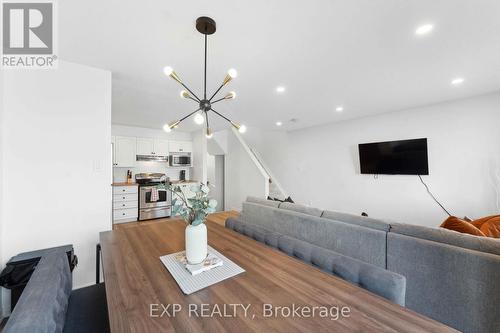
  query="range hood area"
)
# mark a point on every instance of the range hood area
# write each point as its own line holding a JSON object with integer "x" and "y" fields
{"x": 155, "y": 158}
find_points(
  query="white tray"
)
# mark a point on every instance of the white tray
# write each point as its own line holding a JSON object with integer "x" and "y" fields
{"x": 192, "y": 283}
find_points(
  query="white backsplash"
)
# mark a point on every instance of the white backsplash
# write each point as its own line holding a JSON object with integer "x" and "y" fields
{"x": 120, "y": 174}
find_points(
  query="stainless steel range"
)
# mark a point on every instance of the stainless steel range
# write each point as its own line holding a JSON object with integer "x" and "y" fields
{"x": 153, "y": 208}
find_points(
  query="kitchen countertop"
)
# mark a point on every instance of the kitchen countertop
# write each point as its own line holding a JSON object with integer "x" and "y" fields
{"x": 175, "y": 182}
{"x": 187, "y": 181}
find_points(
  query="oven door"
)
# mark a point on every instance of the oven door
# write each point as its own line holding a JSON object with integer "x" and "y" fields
{"x": 164, "y": 198}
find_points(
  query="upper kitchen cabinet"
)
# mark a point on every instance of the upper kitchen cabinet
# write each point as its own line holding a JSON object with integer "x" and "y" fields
{"x": 124, "y": 151}
{"x": 180, "y": 147}
{"x": 145, "y": 146}
{"x": 150, "y": 146}
{"x": 161, "y": 147}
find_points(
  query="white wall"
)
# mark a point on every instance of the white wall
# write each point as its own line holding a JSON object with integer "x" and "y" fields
{"x": 218, "y": 189}
{"x": 242, "y": 177}
{"x": 120, "y": 174}
{"x": 199, "y": 156}
{"x": 57, "y": 132}
{"x": 319, "y": 166}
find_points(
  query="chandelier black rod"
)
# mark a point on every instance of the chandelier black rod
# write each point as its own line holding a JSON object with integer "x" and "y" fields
{"x": 193, "y": 99}
{"x": 220, "y": 115}
{"x": 215, "y": 93}
{"x": 218, "y": 100}
{"x": 189, "y": 115}
{"x": 192, "y": 93}
{"x": 205, "y": 85}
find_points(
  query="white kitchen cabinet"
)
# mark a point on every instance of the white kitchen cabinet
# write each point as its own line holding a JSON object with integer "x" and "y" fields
{"x": 145, "y": 146}
{"x": 119, "y": 190}
{"x": 180, "y": 146}
{"x": 124, "y": 151}
{"x": 150, "y": 146}
{"x": 124, "y": 215}
{"x": 125, "y": 204}
{"x": 161, "y": 147}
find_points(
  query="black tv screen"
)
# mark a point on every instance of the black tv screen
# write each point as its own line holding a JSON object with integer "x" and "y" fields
{"x": 404, "y": 157}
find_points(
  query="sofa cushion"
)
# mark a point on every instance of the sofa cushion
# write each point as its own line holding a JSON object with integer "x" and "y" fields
{"x": 43, "y": 304}
{"x": 265, "y": 202}
{"x": 370, "y": 277}
{"x": 375, "y": 279}
{"x": 357, "y": 219}
{"x": 259, "y": 234}
{"x": 441, "y": 235}
{"x": 355, "y": 241}
{"x": 301, "y": 209}
{"x": 459, "y": 225}
{"x": 456, "y": 286}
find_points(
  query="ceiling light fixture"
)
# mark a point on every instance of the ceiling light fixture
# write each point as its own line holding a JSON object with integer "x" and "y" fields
{"x": 457, "y": 81}
{"x": 424, "y": 29}
{"x": 279, "y": 123}
{"x": 199, "y": 119}
{"x": 206, "y": 26}
{"x": 339, "y": 108}
{"x": 280, "y": 89}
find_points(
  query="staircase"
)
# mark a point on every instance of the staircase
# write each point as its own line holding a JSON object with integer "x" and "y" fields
{"x": 275, "y": 189}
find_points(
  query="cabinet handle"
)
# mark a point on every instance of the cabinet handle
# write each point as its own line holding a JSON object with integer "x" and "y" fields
{"x": 123, "y": 205}
{"x": 123, "y": 190}
{"x": 123, "y": 213}
{"x": 181, "y": 149}
{"x": 123, "y": 197}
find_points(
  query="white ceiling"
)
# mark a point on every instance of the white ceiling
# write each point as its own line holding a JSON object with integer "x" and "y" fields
{"x": 360, "y": 54}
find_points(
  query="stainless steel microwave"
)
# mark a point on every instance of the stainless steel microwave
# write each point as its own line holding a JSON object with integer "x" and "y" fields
{"x": 180, "y": 159}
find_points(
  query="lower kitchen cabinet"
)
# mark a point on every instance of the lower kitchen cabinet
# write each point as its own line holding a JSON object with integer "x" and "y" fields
{"x": 125, "y": 204}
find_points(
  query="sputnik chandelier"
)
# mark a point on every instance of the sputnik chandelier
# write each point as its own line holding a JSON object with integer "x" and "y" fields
{"x": 206, "y": 26}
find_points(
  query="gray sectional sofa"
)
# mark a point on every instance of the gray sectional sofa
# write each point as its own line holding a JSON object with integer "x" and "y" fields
{"x": 448, "y": 276}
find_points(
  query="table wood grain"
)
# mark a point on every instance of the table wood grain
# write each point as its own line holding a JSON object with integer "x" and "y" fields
{"x": 135, "y": 278}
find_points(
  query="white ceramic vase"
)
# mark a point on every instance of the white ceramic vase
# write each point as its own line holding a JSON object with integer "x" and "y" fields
{"x": 196, "y": 243}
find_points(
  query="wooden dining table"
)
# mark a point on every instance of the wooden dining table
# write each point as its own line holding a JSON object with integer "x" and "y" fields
{"x": 142, "y": 296}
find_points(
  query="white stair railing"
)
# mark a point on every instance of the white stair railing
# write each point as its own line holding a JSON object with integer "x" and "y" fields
{"x": 276, "y": 190}
{"x": 255, "y": 160}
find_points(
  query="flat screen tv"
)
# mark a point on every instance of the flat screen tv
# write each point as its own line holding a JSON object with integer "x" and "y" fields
{"x": 404, "y": 157}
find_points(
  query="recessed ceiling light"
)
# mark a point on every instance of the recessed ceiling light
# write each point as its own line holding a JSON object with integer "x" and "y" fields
{"x": 279, "y": 123}
{"x": 280, "y": 89}
{"x": 457, "y": 81}
{"x": 424, "y": 29}
{"x": 339, "y": 108}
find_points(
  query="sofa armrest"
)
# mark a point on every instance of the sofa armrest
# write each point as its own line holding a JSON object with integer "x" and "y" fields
{"x": 43, "y": 303}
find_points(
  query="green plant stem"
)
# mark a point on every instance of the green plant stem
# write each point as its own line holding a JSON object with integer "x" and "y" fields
{"x": 184, "y": 200}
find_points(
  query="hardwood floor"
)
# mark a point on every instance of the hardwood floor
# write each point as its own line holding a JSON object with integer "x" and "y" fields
{"x": 219, "y": 218}
{"x": 139, "y": 288}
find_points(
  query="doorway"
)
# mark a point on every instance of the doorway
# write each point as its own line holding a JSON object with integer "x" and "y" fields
{"x": 215, "y": 178}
